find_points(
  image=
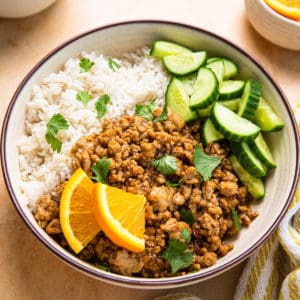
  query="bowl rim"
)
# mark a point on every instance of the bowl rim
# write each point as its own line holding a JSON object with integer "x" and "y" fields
{"x": 278, "y": 15}
{"x": 135, "y": 282}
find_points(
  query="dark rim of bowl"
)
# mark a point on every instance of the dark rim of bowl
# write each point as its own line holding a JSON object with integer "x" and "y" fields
{"x": 133, "y": 281}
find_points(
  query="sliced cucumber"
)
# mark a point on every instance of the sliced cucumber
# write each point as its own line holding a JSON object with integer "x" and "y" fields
{"x": 255, "y": 185}
{"x": 266, "y": 118}
{"x": 177, "y": 99}
{"x": 232, "y": 104}
{"x": 184, "y": 63}
{"x": 164, "y": 48}
{"x": 188, "y": 82}
{"x": 230, "y": 89}
{"x": 250, "y": 99}
{"x": 209, "y": 132}
{"x": 260, "y": 147}
{"x": 234, "y": 127}
{"x": 249, "y": 160}
{"x": 205, "y": 89}
{"x": 230, "y": 68}
{"x": 217, "y": 66}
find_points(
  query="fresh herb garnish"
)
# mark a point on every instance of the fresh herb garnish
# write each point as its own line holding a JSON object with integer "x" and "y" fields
{"x": 56, "y": 123}
{"x": 102, "y": 267}
{"x": 101, "y": 170}
{"x": 163, "y": 115}
{"x": 85, "y": 64}
{"x": 83, "y": 97}
{"x": 101, "y": 105}
{"x": 186, "y": 235}
{"x": 145, "y": 110}
{"x": 187, "y": 216}
{"x": 113, "y": 64}
{"x": 236, "y": 220}
{"x": 170, "y": 183}
{"x": 205, "y": 164}
{"x": 166, "y": 165}
{"x": 176, "y": 253}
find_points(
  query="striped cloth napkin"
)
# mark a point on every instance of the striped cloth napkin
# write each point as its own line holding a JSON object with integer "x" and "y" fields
{"x": 273, "y": 271}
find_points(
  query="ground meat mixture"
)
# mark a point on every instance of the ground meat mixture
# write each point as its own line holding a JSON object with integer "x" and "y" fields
{"x": 131, "y": 143}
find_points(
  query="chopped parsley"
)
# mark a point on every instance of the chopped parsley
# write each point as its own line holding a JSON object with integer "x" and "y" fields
{"x": 205, "y": 164}
{"x": 101, "y": 170}
{"x": 83, "y": 97}
{"x": 187, "y": 216}
{"x": 176, "y": 253}
{"x": 166, "y": 165}
{"x": 236, "y": 220}
{"x": 113, "y": 64}
{"x": 170, "y": 183}
{"x": 56, "y": 123}
{"x": 85, "y": 64}
{"x": 101, "y": 105}
{"x": 146, "y": 111}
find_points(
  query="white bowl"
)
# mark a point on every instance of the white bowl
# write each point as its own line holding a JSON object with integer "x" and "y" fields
{"x": 117, "y": 38}
{"x": 276, "y": 28}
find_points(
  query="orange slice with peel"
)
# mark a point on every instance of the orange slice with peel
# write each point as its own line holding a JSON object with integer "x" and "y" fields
{"x": 121, "y": 216}
{"x": 77, "y": 219}
{"x": 287, "y": 8}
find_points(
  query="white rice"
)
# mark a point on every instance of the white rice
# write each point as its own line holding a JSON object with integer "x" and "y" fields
{"x": 140, "y": 79}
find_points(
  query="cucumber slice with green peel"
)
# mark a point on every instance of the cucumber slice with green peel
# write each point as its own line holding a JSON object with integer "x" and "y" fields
{"x": 260, "y": 147}
{"x": 250, "y": 99}
{"x": 231, "y": 125}
{"x": 217, "y": 66}
{"x": 205, "y": 89}
{"x": 232, "y": 104}
{"x": 184, "y": 63}
{"x": 255, "y": 186}
{"x": 230, "y": 89}
{"x": 177, "y": 99}
{"x": 266, "y": 118}
{"x": 230, "y": 68}
{"x": 209, "y": 132}
{"x": 249, "y": 160}
{"x": 164, "y": 48}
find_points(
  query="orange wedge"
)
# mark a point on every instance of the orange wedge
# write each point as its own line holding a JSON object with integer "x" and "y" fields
{"x": 287, "y": 8}
{"x": 121, "y": 216}
{"x": 77, "y": 219}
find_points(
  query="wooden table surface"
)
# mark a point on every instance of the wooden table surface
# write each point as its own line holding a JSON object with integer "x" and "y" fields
{"x": 27, "y": 269}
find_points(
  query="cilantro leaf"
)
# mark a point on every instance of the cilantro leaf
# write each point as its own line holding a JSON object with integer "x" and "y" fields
{"x": 85, "y": 64}
{"x": 176, "y": 255}
{"x": 187, "y": 216}
{"x": 186, "y": 235}
{"x": 53, "y": 142}
{"x": 174, "y": 184}
{"x": 113, "y": 64}
{"x": 145, "y": 111}
{"x": 101, "y": 105}
{"x": 236, "y": 220}
{"x": 163, "y": 115}
{"x": 205, "y": 164}
{"x": 56, "y": 123}
{"x": 166, "y": 165}
{"x": 101, "y": 170}
{"x": 83, "y": 97}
